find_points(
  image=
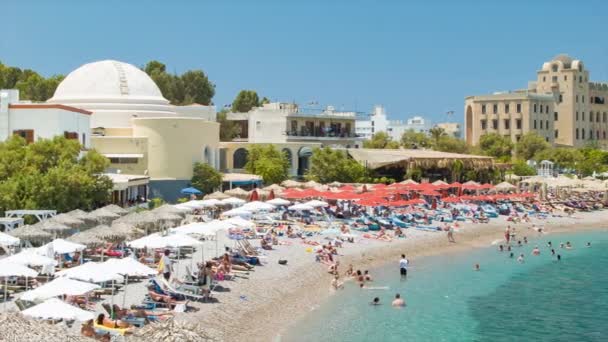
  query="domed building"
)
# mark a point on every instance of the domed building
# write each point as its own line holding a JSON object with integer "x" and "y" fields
{"x": 133, "y": 125}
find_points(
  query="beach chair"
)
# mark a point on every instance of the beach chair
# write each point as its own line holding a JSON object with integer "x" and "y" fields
{"x": 183, "y": 290}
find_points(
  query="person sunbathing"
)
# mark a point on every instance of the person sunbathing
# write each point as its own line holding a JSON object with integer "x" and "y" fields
{"x": 265, "y": 245}
{"x": 120, "y": 313}
{"x": 108, "y": 323}
{"x": 88, "y": 330}
{"x": 383, "y": 236}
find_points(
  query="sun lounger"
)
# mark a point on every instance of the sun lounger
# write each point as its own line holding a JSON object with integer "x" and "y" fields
{"x": 172, "y": 290}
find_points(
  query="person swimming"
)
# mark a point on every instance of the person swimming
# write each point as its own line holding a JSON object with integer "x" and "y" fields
{"x": 519, "y": 243}
{"x": 511, "y": 255}
{"x": 525, "y": 239}
{"x": 588, "y": 244}
{"x": 501, "y": 248}
{"x": 376, "y": 301}
{"x": 552, "y": 251}
{"x": 398, "y": 302}
{"x": 549, "y": 244}
{"x": 536, "y": 251}
{"x": 476, "y": 267}
{"x": 559, "y": 257}
{"x": 509, "y": 248}
{"x": 367, "y": 276}
{"x": 568, "y": 245}
{"x": 520, "y": 259}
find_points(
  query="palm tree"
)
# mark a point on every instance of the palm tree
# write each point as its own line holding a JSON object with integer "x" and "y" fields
{"x": 436, "y": 133}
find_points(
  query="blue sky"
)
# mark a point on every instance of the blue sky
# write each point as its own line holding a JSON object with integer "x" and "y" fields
{"x": 412, "y": 57}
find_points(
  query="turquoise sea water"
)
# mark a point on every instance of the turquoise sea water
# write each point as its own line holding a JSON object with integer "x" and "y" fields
{"x": 540, "y": 300}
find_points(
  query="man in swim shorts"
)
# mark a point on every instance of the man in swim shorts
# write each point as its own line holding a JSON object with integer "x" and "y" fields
{"x": 403, "y": 263}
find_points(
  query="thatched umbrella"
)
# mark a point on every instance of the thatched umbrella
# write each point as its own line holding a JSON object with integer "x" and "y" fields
{"x": 68, "y": 220}
{"x": 103, "y": 216}
{"x": 15, "y": 327}
{"x": 145, "y": 220}
{"x": 87, "y": 238}
{"x": 107, "y": 233}
{"x": 274, "y": 187}
{"x": 217, "y": 195}
{"x": 53, "y": 227}
{"x": 237, "y": 192}
{"x": 291, "y": 184}
{"x": 116, "y": 209}
{"x": 335, "y": 184}
{"x": 82, "y": 216}
{"x": 31, "y": 233}
{"x": 311, "y": 184}
{"x": 167, "y": 208}
{"x": 172, "y": 331}
{"x": 130, "y": 230}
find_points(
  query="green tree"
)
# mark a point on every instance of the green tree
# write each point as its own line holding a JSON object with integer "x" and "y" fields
{"x": 520, "y": 168}
{"x": 50, "y": 174}
{"x": 191, "y": 87}
{"x": 264, "y": 101}
{"x": 268, "y": 162}
{"x": 529, "y": 144}
{"x": 381, "y": 140}
{"x": 197, "y": 88}
{"x": 228, "y": 128}
{"x": 593, "y": 160}
{"x": 447, "y": 143}
{"x": 329, "y": 165}
{"x": 496, "y": 145}
{"x": 205, "y": 178}
{"x": 436, "y": 133}
{"x": 562, "y": 157}
{"x": 245, "y": 100}
{"x": 412, "y": 139}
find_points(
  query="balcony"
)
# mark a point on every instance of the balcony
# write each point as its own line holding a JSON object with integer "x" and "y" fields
{"x": 291, "y": 135}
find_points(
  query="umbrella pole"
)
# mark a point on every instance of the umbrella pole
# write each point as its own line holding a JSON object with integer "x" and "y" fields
{"x": 5, "y": 291}
{"x": 124, "y": 297}
{"x": 112, "y": 301}
{"x": 216, "y": 245}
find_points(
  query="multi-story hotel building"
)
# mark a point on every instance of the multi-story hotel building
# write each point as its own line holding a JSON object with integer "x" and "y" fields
{"x": 562, "y": 106}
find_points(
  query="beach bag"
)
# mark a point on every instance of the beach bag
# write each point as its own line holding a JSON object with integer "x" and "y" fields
{"x": 282, "y": 262}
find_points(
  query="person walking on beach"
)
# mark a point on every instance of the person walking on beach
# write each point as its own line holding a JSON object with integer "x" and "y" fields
{"x": 403, "y": 263}
{"x": 508, "y": 234}
{"x": 166, "y": 265}
{"x": 451, "y": 234}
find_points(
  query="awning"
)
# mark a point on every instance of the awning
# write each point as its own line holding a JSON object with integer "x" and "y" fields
{"x": 305, "y": 152}
{"x": 123, "y": 155}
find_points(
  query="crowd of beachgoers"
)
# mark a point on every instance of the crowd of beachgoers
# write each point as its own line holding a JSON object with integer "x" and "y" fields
{"x": 202, "y": 261}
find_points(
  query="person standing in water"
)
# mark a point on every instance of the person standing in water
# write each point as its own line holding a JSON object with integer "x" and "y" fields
{"x": 536, "y": 251}
{"x": 508, "y": 234}
{"x": 403, "y": 263}
{"x": 398, "y": 302}
{"x": 520, "y": 259}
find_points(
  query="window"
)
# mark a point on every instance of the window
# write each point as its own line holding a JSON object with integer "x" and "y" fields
{"x": 554, "y": 67}
{"x": 597, "y": 135}
{"x": 565, "y": 77}
{"x": 604, "y": 117}
{"x": 541, "y": 108}
{"x": 576, "y": 98}
{"x": 547, "y": 139}
{"x": 597, "y": 117}
{"x": 123, "y": 160}
{"x": 547, "y": 124}
{"x": 544, "y": 78}
{"x": 590, "y": 116}
{"x": 541, "y": 124}
{"x": 583, "y": 116}
{"x": 534, "y": 124}
{"x": 561, "y": 98}
{"x": 84, "y": 139}
{"x": 517, "y": 137}
{"x": 604, "y": 135}
{"x": 577, "y": 134}
{"x": 507, "y": 124}
{"x": 483, "y": 109}
{"x": 495, "y": 124}
{"x": 70, "y": 135}
{"x": 583, "y": 98}
{"x": 547, "y": 109}
{"x": 483, "y": 124}
{"x": 506, "y": 108}
{"x": 555, "y": 116}
{"x": 580, "y": 80}
{"x": 556, "y": 134}
{"x": 239, "y": 158}
{"x": 27, "y": 134}
{"x": 495, "y": 108}
{"x": 576, "y": 116}
{"x": 554, "y": 79}
{"x": 519, "y": 107}
{"x": 583, "y": 133}
{"x": 518, "y": 123}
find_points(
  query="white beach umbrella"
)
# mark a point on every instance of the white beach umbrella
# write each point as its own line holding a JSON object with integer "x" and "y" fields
{"x": 189, "y": 205}
{"x": 7, "y": 240}
{"x": 258, "y": 206}
{"x": 92, "y": 272}
{"x": 150, "y": 241}
{"x": 239, "y": 222}
{"x": 130, "y": 267}
{"x": 54, "y": 308}
{"x": 8, "y": 269}
{"x": 233, "y": 201}
{"x": 300, "y": 207}
{"x": 180, "y": 240}
{"x": 59, "y": 287}
{"x": 237, "y": 212}
{"x": 316, "y": 203}
{"x": 190, "y": 228}
{"x": 60, "y": 246}
{"x": 278, "y": 201}
{"x": 29, "y": 257}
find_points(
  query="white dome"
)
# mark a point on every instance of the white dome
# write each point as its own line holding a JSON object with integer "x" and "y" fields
{"x": 108, "y": 81}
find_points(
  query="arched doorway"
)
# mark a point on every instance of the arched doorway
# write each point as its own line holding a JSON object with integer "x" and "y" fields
{"x": 304, "y": 160}
{"x": 289, "y": 156}
{"x": 469, "y": 125}
{"x": 239, "y": 158}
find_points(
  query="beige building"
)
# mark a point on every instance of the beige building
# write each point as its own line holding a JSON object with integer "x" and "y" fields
{"x": 141, "y": 133}
{"x": 451, "y": 128}
{"x": 576, "y": 116}
{"x": 295, "y": 131}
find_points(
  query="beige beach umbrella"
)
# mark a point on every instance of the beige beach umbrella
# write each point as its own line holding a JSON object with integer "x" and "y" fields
{"x": 274, "y": 187}
{"x": 31, "y": 233}
{"x": 237, "y": 192}
{"x": 311, "y": 184}
{"x": 87, "y": 238}
{"x": 16, "y": 327}
{"x": 504, "y": 186}
{"x": 82, "y": 216}
{"x": 409, "y": 181}
{"x": 217, "y": 195}
{"x": 471, "y": 183}
{"x": 69, "y": 220}
{"x": 335, "y": 184}
{"x": 172, "y": 331}
{"x": 116, "y": 209}
{"x": 291, "y": 184}
{"x": 439, "y": 182}
{"x": 53, "y": 227}
{"x": 103, "y": 216}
